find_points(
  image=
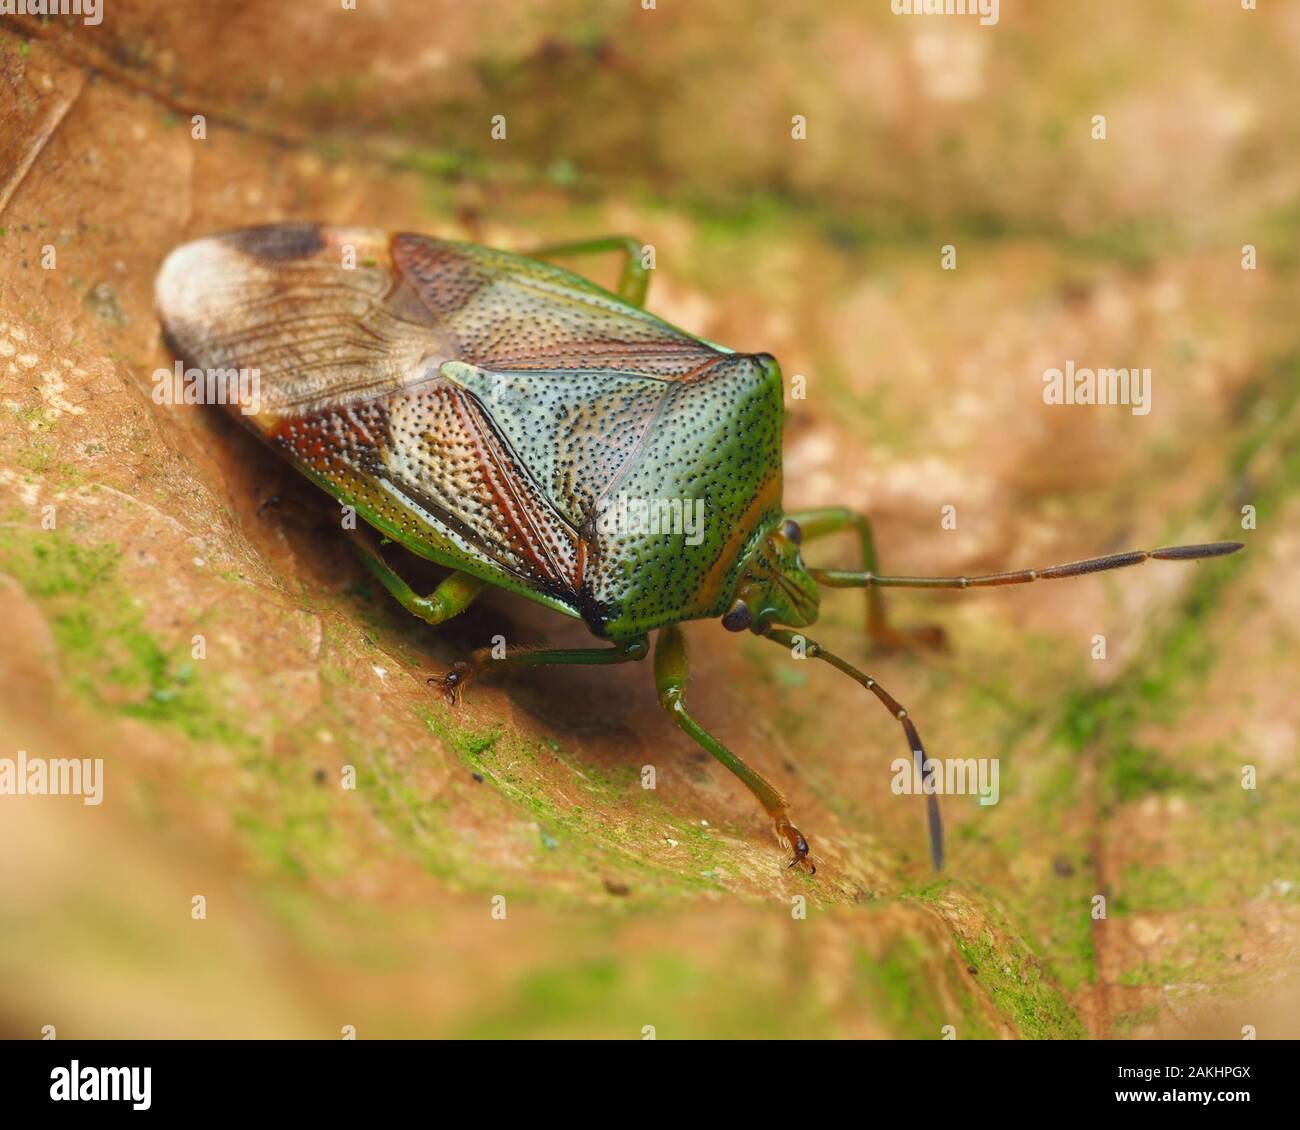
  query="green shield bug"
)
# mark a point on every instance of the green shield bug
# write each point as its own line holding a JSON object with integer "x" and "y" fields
{"x": 493, "y": 413}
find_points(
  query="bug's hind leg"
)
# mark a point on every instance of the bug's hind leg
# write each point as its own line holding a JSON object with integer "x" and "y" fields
{"x": 671, "y": 670}
{"x": 483, "y": 659}
{"x": 883, "y": 635}
{"x": 633, "y": 282}
{"x": 455, "y": 594}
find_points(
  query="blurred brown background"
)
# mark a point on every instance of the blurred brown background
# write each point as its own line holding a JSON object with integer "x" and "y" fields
{"x": 670, "y": 908}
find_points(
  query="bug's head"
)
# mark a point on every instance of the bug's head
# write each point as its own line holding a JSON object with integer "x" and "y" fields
{"x": 774, "y": 587}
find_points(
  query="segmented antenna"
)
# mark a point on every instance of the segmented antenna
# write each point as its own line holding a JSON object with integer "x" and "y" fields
{"x": 845, "y": 579}
{"x": 814, "y": 650}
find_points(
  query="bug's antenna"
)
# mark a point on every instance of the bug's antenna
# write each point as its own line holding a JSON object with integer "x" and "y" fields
{"x": 813, "y": 650}
{"x": 845, "y": 579}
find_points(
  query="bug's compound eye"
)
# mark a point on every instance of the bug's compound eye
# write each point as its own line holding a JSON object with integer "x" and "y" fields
{"x": 738, "y": 617}
{"x": 790, "y": 529}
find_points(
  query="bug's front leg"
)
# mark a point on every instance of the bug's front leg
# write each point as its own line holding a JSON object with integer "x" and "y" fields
{"x": 463, "y": 672}
{"x": 883, "y": 635}
{"x": 671, "y": 671}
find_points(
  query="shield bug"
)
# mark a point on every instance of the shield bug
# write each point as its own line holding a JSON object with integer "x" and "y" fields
{"x": 491, "y": 412}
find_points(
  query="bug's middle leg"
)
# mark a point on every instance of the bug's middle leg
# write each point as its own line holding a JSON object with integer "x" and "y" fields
{"x": 633, "y": 282}
{"x": 884, "y": 636}
{"x": 455, "y": 593}
{"x": 482, "y": 659}
{"x": 671, "y": 671}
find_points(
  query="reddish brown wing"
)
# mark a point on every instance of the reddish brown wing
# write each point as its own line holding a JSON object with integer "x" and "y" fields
{"x": 492, "y": 463}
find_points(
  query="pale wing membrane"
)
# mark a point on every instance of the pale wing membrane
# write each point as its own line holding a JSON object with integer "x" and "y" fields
{"x": 282, "y": 300}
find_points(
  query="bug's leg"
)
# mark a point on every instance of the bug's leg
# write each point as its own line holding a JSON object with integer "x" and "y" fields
{"x": 883, "y": 636}
{"x": 450, "y": 598}
{"x": 671, "y": 670}
{"x": 482, "y": 659}
{"x": 813, "y": 650}
{"x": 634, "y": 280}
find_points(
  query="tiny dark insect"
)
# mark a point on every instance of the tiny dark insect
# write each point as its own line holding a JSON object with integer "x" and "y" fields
{"x": 486, "y": 410}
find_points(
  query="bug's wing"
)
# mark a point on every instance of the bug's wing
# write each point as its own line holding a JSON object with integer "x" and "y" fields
{"x": 352, "y": 332}
{"x": 508, "y": 313}
{"x": 609, "y": 409}
{"x": 571, "y": 377}
{"x": 315, "y": 310}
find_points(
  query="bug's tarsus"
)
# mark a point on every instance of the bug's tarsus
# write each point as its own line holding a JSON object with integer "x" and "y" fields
{"x": 797, "y": 843}
{"x": 453, "y": 682}
{"x": 814, "y": 650}
{"x": 838, "y": 578}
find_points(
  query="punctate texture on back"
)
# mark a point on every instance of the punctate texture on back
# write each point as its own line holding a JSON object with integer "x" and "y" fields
{"x": 493, "y": 412}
